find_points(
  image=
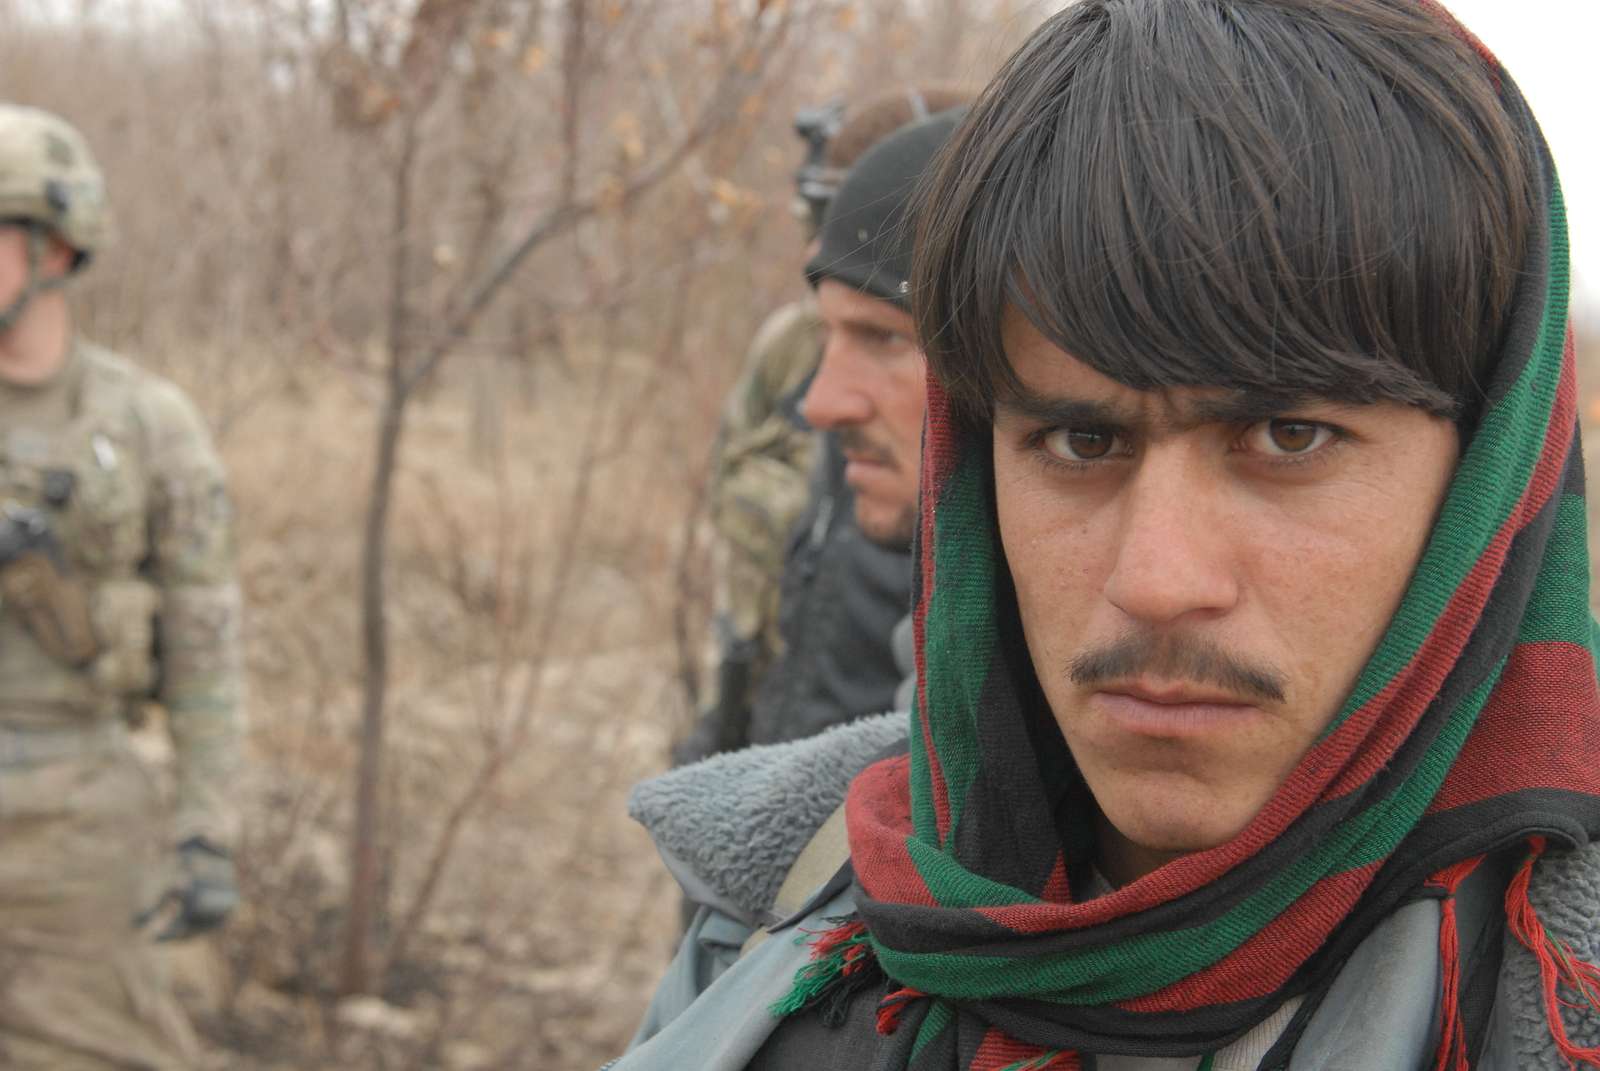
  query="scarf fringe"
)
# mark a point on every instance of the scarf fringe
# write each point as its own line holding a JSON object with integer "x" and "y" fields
{"x": 1557, "y": 964}
{"x": 1051, "y": 1060}
{"x": 892, "y": 1007}
{"x": 842, "y": 964}
{"x": 1047, "y": 1060}
{"x": 1452, "y": 1055}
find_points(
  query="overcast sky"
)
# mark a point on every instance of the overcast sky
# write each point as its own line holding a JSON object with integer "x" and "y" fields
{"x": 1551, "y": 49}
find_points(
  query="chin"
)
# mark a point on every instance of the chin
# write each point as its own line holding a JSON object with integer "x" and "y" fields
{"x": 1177, "y": 822}
{"x": 886, "y": 525}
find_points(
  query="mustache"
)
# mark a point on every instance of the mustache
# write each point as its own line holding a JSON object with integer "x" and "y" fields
{"x": 852, "y": 440}
{"x": 1180, "y": 657}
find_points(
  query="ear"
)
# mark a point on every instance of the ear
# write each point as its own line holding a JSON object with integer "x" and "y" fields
{"x": 59, "y": 257}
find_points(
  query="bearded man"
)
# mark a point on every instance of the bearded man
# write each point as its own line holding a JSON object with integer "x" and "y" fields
{"x": 1257, "y": 721}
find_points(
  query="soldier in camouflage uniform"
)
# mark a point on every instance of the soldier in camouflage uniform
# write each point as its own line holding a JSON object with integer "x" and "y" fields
{"x": 759, "y": 488}
{"x": 760, "y": 472}
{"x": 842, "y": 594}
{"x": 116, "y": 587}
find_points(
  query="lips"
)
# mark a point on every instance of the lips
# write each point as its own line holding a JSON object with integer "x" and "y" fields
{"x": 1174, "y": 693}
{"x": 1172, "y": 710}
{"x": 864, "y": 473}
{"x": 854, "y": 457}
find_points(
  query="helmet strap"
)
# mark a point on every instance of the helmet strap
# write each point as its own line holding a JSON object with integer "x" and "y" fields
{"x": 35, "y": 284}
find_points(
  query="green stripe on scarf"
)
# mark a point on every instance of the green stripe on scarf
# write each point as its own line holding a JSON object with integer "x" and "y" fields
{"x": 960, "y": 608}
{"x": 1492, "y": 477}
{"x": 938, "y": 1019}
{"x": 1559, "y": 609}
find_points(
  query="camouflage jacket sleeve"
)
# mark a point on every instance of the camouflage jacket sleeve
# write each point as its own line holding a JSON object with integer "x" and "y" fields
{"x": 192, "y": 566}
{"x": 763, "y": 457}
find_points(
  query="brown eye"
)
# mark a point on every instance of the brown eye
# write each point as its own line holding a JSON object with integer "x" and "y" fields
{"x": 1071, "y": 444}
{"x": 1288, "y": 438}
{"x": 1294, "y": 436}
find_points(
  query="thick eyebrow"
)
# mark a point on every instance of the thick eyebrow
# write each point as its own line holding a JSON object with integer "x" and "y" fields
{"x": 867, "y": 322}
{"x": 1056, "y": 411}
{"x": 862, "y": 323}
{"x": 1244, "y": 407}
{"x": 1235, "y": 408}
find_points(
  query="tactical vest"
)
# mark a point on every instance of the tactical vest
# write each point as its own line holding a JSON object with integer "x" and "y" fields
{"x": 90, "y": 476}
{"x": 842, "y": 596}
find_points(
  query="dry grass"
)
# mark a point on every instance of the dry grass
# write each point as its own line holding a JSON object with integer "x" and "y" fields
{"x": 555, "y": 918}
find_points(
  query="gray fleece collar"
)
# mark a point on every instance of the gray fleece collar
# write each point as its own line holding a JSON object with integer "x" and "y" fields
{"x": 1565, "y": 891}
{"x": 729, "y": 828}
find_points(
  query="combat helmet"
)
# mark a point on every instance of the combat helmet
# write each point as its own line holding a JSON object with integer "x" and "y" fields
{"x": 49, "y": 183}
{"x": 49, "y": 177}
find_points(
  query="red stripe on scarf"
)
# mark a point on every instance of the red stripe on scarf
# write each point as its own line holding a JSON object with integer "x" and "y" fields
{"x": 939, "y": 452}
{"x": 877, "y": 820}
{"x": 997, "y": 1052}
{"x": 1536, "y": 731}
{"x": 1265, "y": 962}
{"x": 1056, "y": 887}
{"x": 1452, "y": 1052}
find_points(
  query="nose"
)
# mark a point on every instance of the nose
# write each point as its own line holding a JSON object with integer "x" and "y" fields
{"x": 1175, "y": 554}
{"x": 835, "y": 398}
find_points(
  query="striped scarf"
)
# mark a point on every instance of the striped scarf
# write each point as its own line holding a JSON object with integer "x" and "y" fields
{"x": 1473, "y": 729}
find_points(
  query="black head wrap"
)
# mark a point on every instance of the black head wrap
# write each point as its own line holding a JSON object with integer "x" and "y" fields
{"x": 866, "y": 238}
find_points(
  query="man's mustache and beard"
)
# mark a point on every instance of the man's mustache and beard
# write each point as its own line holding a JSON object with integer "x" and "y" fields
{"x": 1176, "y": 657}
{"x": 854, "y": 442}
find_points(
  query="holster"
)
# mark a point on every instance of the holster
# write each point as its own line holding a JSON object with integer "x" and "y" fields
{"x": 53, "y": 606}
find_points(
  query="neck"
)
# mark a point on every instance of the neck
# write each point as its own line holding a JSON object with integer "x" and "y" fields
{"x": 1121, "y": 861}
{"x": 35, "y": 348}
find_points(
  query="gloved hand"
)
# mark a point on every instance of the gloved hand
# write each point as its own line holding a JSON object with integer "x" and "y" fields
{"x": 204, "y": 895}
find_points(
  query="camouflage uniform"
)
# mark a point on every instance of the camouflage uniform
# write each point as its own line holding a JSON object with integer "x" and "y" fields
{"x": 120, "y": 466}
{"x": 759, "y": 488}
{"x": 764, "y": 456}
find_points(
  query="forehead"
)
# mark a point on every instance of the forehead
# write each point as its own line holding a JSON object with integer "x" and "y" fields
{"x": 841, "y": 303}
{"x": 1053, "y": 386}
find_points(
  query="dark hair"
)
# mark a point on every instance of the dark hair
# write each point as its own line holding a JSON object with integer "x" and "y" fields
{"x": 1319, "y": 197}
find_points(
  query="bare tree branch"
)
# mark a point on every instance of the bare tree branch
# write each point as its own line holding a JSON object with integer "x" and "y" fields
{"x": 564, "y": 216}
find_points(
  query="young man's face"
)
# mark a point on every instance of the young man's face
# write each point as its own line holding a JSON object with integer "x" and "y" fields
{"x": 1201, "y": 580}
{"x": 871, "y": 391}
